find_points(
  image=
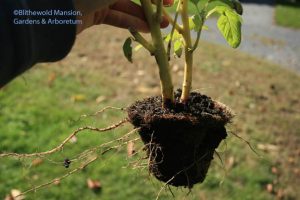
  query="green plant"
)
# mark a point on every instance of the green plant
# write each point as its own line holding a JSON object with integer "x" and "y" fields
{"x": 229, "y": 24}
{"x": 182, "y": 129}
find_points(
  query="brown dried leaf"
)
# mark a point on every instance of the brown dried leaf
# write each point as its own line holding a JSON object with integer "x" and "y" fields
{"x": 94, "y": 184}
{"x": 51, "y": 79}
{"x": 100, "y": 99}
{"x": 269, "y": 188}
{"x": 274, "y": 170}
{"x": 56, "y": 182}
{"x": 268, "y": 147}
{"x": 130, "y": 149}
{"x": 15, "y": 195}
{"x": 230, "y": 162}
{"x": 37, "y": 162}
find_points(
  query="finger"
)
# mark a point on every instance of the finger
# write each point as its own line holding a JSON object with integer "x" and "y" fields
{"x": 124, "y": 20}
{"x": 129, "y": 7}
{"x": 133, "y": 9}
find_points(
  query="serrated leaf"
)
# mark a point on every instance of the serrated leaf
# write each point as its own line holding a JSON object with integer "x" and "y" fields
{"x": 229, "y": 25}
{"x": 127, "y": 49}
{"x": 178, "y": 48}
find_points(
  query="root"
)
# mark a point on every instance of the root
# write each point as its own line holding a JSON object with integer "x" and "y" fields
{"x": 247, "y": 142}
{"x": 100, "y": 111}
{"x": 96, "y": 149}
{"x": 84, "y": 165}
{"x": 34, "y": 189}
{"x": 183, "y": 170}
{"x": 60, "y": 146}
{"x": 85, "y": 158}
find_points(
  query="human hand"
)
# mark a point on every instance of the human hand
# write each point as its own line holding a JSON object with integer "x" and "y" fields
{"x": 118, "y": 13}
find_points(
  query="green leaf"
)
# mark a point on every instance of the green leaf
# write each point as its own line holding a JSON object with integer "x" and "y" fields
{"x": 127, "y": 49}
{"x": 195, "y": 23}
{"x": 229, "y": 25}
{"x": 176, "y": 36}
{"x": 205, "y": 27}
{"x": 218, "y": 9}
{"x": 178, "y": 48}
{"x": 234, "y": 4}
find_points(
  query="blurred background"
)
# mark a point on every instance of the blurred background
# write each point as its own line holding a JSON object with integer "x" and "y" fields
{"x": 260, "y": 81}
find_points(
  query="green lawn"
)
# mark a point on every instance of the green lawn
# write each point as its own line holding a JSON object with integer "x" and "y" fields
{"x": 41, "y": 108}
{"x": 287, "y": 13}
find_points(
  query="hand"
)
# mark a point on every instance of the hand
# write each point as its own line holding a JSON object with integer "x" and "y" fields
{"x": 118, "y": 13}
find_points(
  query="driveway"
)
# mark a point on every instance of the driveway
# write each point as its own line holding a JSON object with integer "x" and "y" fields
{"x": 261, "y": 37}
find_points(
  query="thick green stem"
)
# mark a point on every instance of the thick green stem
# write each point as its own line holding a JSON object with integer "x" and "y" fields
{"x": 188, "y": 68}
{"x": 159, "y": 52}
{"x": 140, "y": 39}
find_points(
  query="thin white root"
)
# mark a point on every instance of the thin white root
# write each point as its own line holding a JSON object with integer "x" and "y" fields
{"x": 60, "y": 178}
{"x": 247, "y": 142}
{"x": 60, "y": 147}
{"x": 34, "y": 189}
{"x": 101, "y": 111}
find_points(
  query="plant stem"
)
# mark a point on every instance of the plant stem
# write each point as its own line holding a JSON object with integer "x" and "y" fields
{"x": 140, "y": 39}
{"x": 173, "y": 29}
{"x": 172, "y": 21}
{"x": 188, "y": 73}
{"x": 202, "y": 14}
{"x": 160, "y": 51}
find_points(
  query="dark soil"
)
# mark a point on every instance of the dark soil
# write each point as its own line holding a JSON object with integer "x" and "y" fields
{"x": 180, "y": 142}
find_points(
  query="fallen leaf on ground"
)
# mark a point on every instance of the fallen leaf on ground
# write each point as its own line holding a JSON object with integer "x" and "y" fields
{"x": 274, "y": 170}
{"x": 51, "y": 79}
{"x": 78, "y": 98}
{"x": 269, "y": 188}
{"x": 267, "y": 147}
{"x": 94, "y": 185}
{"x": 37, "y": 162}
{"x": 56, "y": 182}
{"x": 230, "y": 162}
{"x": 100, "y": 99}
{"x": 130, "y": 149}
{"x": 15, "y": 195}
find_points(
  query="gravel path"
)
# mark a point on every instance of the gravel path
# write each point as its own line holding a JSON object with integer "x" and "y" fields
{"x": 261, "y": 37}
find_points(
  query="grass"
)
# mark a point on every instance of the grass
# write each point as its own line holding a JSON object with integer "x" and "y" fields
{"x": 287, "y": 13}
{"x": 40, "y": 109}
